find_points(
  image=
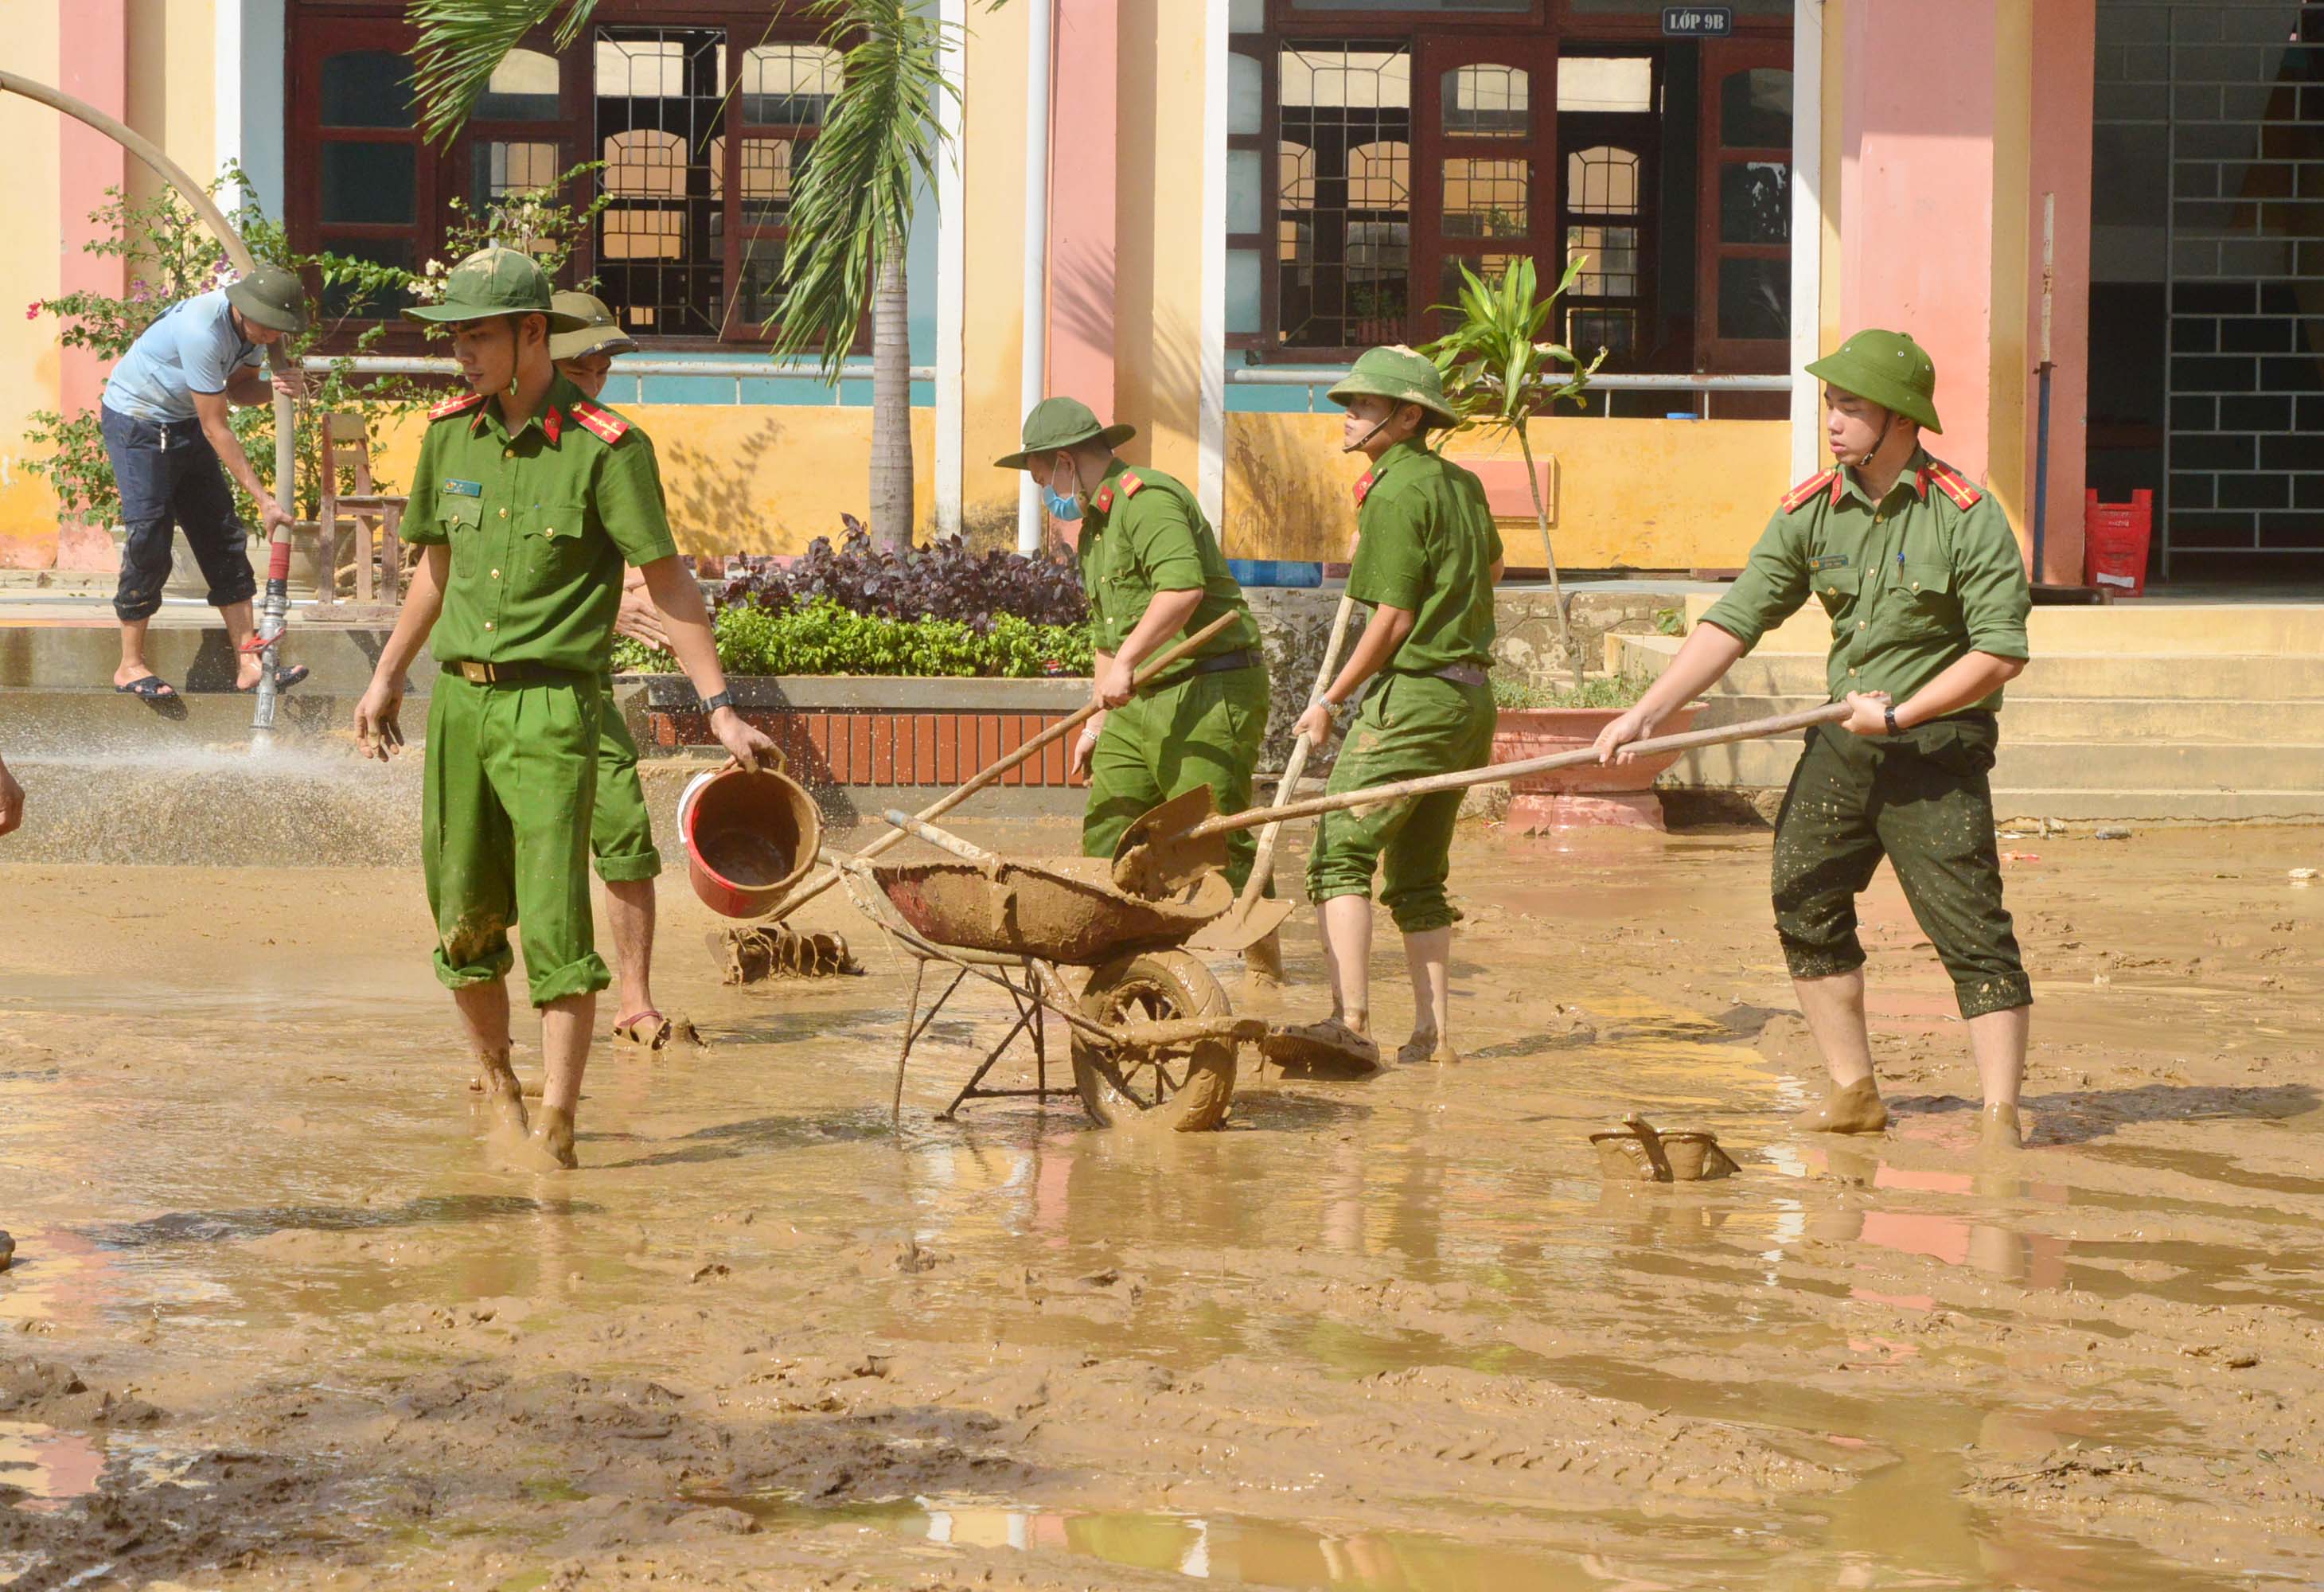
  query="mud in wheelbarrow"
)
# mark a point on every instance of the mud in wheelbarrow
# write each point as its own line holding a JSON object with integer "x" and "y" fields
{"x": 1063, "y": 910}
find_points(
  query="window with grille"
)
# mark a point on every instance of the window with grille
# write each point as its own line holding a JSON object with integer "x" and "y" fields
{"x": 703, "y": 119}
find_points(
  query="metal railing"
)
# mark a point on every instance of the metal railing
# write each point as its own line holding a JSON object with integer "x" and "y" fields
{"x": 639, "y": 369}
{"x": 1701, "y": 388}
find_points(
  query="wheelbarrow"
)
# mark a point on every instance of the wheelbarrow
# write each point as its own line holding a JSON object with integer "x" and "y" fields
{"x": 1154, "y": 1038}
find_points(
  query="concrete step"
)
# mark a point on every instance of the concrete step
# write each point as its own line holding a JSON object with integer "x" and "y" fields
{"x": 82, "y": 655}
{"x": 2223, "y": 677}
{"x": 2195, "y": 628}
{"x": 2096, "y": 720}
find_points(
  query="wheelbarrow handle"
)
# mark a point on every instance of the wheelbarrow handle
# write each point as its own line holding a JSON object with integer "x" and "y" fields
{"x": 881, "y": 844}
{"x": 1460, "y": 780}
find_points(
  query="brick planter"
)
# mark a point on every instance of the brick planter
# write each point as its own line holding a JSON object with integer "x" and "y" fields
{"x": 1619, "y": 794}
{"x": 853, "y": 736}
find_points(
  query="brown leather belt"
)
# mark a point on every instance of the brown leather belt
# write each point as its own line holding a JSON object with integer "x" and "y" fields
{"x": 514, "y": 673}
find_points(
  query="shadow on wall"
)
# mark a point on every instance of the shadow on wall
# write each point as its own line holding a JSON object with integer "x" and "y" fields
{"x": 713, "y": 508}
{"x": 1282, "y": 496}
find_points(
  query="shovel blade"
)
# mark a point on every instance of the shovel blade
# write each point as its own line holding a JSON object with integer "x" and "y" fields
{"x": 1239, "y": 932}
{"x": 1155, "y": 857}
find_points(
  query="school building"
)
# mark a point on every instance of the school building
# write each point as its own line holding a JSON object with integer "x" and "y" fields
{"x": 1201, "y": 210}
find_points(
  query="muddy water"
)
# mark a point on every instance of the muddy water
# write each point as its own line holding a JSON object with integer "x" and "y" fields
{"x": 274, "y": 1321}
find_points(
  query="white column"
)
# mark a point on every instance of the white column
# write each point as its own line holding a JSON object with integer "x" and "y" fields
{"x": 952, "y": 273}
{"x": 1807, "y": 233}
{"x": 1210, "y": 428}
{"x": 226, "y": 107}
{"x": 1034, "y": 372}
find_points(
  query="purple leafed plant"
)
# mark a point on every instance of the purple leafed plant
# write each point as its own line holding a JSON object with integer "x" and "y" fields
{"x": 945, "y": 580}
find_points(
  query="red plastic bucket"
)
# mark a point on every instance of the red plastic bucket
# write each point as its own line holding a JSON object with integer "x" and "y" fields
{"x": 749, "y": 837}
{"x": 2116, "y": 537}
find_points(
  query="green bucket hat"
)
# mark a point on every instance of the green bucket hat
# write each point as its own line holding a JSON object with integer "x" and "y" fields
{"x": 271, "y": 296}
{"x": 496, "y": 282}
{"x": 1399, "y": 374}
{"x": 1061, "y": 423}
{"x": 1888, "y": 368}
{"x": 601, "y": 332}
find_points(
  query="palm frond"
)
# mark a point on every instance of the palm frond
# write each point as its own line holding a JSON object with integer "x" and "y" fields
{"x": 852, "y": 207}
{"x": 462, "y": 42}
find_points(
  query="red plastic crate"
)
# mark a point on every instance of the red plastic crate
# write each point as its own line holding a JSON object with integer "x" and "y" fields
{"x": 2116, "y": 538}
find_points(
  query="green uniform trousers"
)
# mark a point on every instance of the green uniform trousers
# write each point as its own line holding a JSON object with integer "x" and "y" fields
{"x": 1923, "y": 801}
{"x": 509, "y": 790}
{"x": 1409, "y": 726}
{"x": 1200, "y": 729}
{"x": 621, "y": 831}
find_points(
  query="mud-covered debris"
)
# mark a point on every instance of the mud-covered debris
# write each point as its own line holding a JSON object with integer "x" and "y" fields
{"x": 2110, "y": 832}
{"x": 7, "y": 1249}
{"x": 754, "y": 954}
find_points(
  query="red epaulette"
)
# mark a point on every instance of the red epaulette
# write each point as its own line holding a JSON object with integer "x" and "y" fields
{"x": 1130, "y": 483}
{"x": 1952, "y": 483}
{"x": 1799, "y": 494}
{"x": 1364, "y": 486}
{"x": 452, "y": 406}
{"x": 607, "y": 426}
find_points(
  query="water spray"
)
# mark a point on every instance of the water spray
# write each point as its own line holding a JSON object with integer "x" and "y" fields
{"x": 275, "y": 613}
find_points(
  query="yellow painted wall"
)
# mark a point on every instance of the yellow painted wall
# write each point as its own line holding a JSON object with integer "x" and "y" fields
{"x": 1636, "y": 494}
{"x": 992, "y": 166}
{"x": 172, "y": 87}
{"x": 28, "y": 271}
{"x": 763, "y": 478}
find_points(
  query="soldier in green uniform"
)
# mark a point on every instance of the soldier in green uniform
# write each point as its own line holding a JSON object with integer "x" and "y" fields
{"x": 620, "y": 832}
{"x": 1427, "y": 554}
{"x": 1921, "y": 578}
{"x": 1152, "y": 570}
{"x": 527, "y": 499}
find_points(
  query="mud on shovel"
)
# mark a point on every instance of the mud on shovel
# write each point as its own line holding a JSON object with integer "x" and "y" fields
{"x": 1255, "y": 916}
{"x": 1173, "y": 845}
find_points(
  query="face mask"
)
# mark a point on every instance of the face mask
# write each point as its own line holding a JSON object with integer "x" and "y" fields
{"x": 1062, "y": 507}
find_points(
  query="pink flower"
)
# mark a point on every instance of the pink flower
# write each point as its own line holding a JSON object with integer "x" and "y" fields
{"x": 32, "y": 310}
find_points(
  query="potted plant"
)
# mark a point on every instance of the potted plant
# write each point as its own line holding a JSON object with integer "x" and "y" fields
{"x": 1499, "y": 375}
{"x": 1533, "y": 719}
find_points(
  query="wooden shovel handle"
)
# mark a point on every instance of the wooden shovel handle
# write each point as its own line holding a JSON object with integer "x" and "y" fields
{"x": 1460, "y": 780}
{"x": 1262, "y": 866}
{"x": 889, "y": 839}
{"x": 943, "y": 839}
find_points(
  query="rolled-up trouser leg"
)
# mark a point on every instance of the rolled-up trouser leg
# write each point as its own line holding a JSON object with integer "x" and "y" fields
{"x": 202, "y": 502}
{"x": 1203, "y": 730}
{"x": 621, "y": 829}
{"x": 1409, "y": 727}
{"x": 1935, "y": 819}
{"x": 1825, "y": 852}
{"x": 141, "y": 475}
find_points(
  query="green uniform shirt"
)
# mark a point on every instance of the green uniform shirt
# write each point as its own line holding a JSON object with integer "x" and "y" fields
{"x": 1911, "y": 583}
{"x": 1427, "y": 543}
{"x": 1143, "y": 532}
{"x": 539, "y": 524}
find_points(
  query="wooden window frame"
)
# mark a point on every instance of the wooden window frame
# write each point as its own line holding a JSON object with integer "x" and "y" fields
{"x": 1721, "y": 60}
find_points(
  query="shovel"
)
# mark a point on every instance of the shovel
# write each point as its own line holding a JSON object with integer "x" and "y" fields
{"x": 1173, "y": 845}
{"x": 1254, "y": 916}
{"x": 887, "y": 840}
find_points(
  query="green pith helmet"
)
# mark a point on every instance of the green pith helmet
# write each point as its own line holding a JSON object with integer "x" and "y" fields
{"x": 271, "y": 297}
{"x": 1888, "y": 368}
{"x": 495, "y": 281}
{"x": 601, "y": 332}
{"x": 1399, "y": 373}
{"x": 1061, "y": 423}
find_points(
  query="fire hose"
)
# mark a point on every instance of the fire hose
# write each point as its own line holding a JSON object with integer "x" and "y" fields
{"x": 274, "y": 610}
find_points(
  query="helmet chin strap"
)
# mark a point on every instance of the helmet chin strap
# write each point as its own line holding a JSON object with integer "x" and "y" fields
{"x": 1865, "y": 459}
{"x": 1360, "y": 443}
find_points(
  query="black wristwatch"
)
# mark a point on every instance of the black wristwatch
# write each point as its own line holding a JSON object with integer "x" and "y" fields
{"x": 726, "y": 699}
{"x": 1890, "y": 712}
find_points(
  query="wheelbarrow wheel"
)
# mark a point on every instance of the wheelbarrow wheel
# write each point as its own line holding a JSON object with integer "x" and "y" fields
{"x": 1187, "y": 1087}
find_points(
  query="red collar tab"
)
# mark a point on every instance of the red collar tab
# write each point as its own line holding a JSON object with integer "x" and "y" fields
{"x": 1362, "y": 488}
{"x": 1130, "y": 483}
{"x": 1799, "y": 495}
{"x": 1921, "y": 483}
{"x": 604, "y": 424}
{"x": 552, "y": 422}
{"x": 1953, "y": 484}
{"x": 452, "y": 406}
{"x": 1104, "y": 501}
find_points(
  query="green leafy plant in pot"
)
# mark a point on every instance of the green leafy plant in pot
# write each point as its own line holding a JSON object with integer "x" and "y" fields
{"x": 1499, "y": 374}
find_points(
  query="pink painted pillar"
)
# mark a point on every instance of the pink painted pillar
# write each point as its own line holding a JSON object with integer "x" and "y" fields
{"x": 1917, "y": 195}
{"x": 93, "y": 47}
{"x": 1082, "y": 237}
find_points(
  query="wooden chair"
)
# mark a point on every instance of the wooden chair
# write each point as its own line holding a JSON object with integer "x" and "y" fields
{"x": 347, "y": 446}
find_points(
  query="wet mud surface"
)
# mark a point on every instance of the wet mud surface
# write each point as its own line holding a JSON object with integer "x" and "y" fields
{"x": 273, "y": 1320}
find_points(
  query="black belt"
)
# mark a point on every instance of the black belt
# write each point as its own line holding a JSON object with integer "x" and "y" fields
{"x": 1240, "y": 658}
{"x": 515, "y": 673}
{"x": 1467, "y": 674}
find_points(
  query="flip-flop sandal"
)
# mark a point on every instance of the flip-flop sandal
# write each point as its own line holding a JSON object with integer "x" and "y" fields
{"x": 1419, "y": 1052}
{"x": 287, "y": 675}
{"x": 150, "y": 688}
{"x": 1329, "y": 1049}
{"x": 655, "y": 1032}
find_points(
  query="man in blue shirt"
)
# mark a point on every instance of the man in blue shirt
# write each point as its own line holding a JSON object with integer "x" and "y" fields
{"x": 165, "y": 416}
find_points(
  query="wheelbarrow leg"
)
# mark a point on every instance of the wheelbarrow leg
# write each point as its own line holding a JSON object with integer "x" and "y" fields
{"x": 1040, "y": 1044}
{"x": 973, "y": 1089}
{"x": 911, "y": 1033}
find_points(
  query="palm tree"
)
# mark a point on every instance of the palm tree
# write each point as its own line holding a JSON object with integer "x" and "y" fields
{"x": 851, "y": 204}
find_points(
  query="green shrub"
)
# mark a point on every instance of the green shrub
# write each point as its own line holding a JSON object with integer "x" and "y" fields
{"x": 821, "y": 637}
{"x": 1620, "y": 691}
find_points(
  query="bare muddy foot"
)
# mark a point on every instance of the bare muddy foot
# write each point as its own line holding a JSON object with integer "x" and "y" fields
{"x": 1999, "y": 1129}
{"x": 503, "y": 1093}
{"x": 1855, "y": 1109}
{"x": 1426, "y": 1047}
